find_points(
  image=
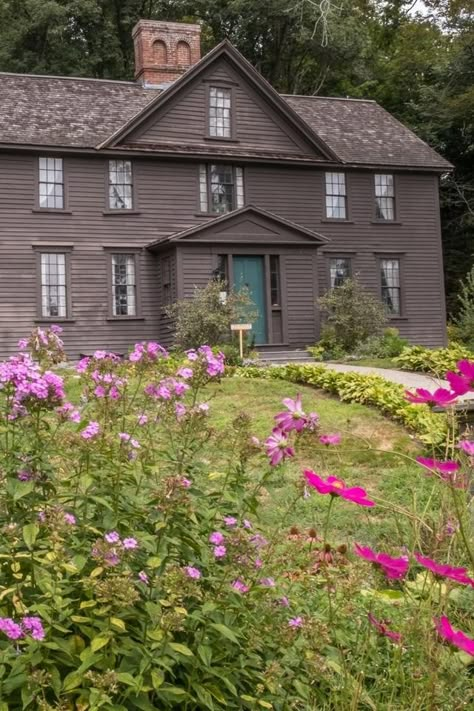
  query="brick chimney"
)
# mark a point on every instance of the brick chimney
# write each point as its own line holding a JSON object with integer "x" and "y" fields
{"x": 164, "y": 50}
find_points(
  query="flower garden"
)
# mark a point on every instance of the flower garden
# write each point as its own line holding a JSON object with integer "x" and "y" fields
{"x": 155, "y": 555}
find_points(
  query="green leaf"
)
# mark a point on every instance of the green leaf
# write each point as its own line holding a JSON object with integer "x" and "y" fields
{"x": 181, "y": 649}
{"x": 225, "y": 632}
{"x": 126, "y": 678}
{"x": 205, "y": 653}
{"x": 30, "y": 532}
{"x": 157, "y": 678}
{"x": 72, "y": 681}
{"x": 99, "y": 642}
{"x": 118, "y": 623}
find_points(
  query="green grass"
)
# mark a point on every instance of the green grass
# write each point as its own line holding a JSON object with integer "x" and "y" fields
{"x": 375, "y": 453}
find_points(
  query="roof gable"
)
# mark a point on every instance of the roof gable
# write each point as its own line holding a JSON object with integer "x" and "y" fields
{"x": 226, "y": 57}
{"x": 248, "y": 225}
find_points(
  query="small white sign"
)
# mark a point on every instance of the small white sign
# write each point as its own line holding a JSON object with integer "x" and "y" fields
{"x": 240, "y": 326}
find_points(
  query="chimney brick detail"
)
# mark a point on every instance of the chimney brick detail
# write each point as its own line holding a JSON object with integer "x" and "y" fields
{"x": 164, "y": 50}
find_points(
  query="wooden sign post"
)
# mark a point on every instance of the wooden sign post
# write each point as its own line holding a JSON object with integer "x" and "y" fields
{"x": 241, "y": 327}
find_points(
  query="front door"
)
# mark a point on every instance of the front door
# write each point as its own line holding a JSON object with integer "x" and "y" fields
{"x": 250, "y": 272}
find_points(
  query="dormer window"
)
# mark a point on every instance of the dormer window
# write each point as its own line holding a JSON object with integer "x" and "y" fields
{"x": 220, "y": 112}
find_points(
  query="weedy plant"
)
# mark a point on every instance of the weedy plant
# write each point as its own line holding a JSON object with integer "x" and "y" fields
{"x": 135, "y": 578}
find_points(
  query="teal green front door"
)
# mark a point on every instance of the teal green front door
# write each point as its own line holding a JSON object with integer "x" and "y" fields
{"x": 250, "y": 272}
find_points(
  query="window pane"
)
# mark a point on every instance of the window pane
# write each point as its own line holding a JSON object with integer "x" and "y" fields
{"x": 51, "y": 183}
{"x": 222, "y": 188}
{"x": 53, "y": 285}
{"x": 275, "y": 291}
{"x": 120, "y": 185}
{"x": 239, "y": 187}
{"x": 384, "y": 197}
{"x": 221, "y": 271}
{"x": 336, "y": 196}
{"x": 123, "y": 285}
{"x": 339, "y": 271}
{"x": 220, "y": 112}
{"x": 390, "y": 276}
{"x": 203, "y": 188}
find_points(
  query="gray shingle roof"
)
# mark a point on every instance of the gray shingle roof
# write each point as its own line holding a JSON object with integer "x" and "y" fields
{"x": 82, "y": 113}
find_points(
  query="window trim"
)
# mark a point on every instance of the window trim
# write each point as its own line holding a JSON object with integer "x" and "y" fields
{"x": 339, "y": 255}
{"x": 56, "y": 249}
{"x": 136, "y": 253}
{"x": 209, "y": 212}
{"x": 134, "y": 210}
{"x": 233, "y": 123}
{"x": 401, "y": 259}
{"x": 55, "y": 210}
{"x": 378, "y": 220}
{"x": 165, "y": 260}
{"x": 347, "y": 204}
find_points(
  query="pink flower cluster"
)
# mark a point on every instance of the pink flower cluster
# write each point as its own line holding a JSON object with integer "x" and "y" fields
{"x": 28, "y": 626}
{"x": 100, "y": 359}
{"x": 69, "y": 412}
{"x": 27, "y": 387}
{"x": 111, "y": 547}
{"x": 147, "y": 352}
{"x": 293, "y": 419}
{"x": 167, "y": 389}
{"x": 213, "y": 362}
{"x": 462, "y": 381}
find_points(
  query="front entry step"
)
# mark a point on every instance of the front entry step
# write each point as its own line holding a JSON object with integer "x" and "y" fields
{"x": 282, "y": 357}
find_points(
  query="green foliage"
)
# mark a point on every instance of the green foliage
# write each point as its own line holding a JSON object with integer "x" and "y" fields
{"x": 436, "y": 361}
{"x": 365, "y": 389}
{"x": 232, "y": 354}
{"x": 206, "y": 318}
{"x": 388, "y": 345}
{"x": 353, "y": 314}
{"x": 464, "y": 321}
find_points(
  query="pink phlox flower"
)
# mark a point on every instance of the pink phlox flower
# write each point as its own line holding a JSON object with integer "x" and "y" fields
{"x": 130, "y": 543}
{"x": 278, "y": 447}
{"x": 394, "y": 568}
{"x": 70, "y": 519}
{"x": 112, "y": 537}
{"x": 230, "y": 521}
{"x": 180, "y": 388}
{"x": 441, "y": 570}
{"x": 23, "y": 344}
{"x": 382, "y": 628}
{"x": 185, "y": 373}
{"x": 192, "y": 355}
{"x": 246, "y": 523}
{"x": 258, "y": 540}
{"x": 455, "y": 637}
{"x": 440, "y": 397}
{"x": 220, "y": 551}
{"x": 125, "y": 437}
{"x": 240, "y": 586}
{"x": 467, "y": 447}
{"x": 142, "y": 420}
{"x": 258, "y": 563}
{"x": 295, "y": 622}
{"x": 216, "y": 538}
{"x": 295, "y": 418}
{"x": 203, "y": 407}
{"x": 330, "y": 439}
{"x": 34, "y": 627}
{"x": 143, "y": 577}
{"x": 10, "y": 628}
{"x": 191, "y": 572}
{"x": 92, "y": 430}
{"x": 111, "y": 559}
{"x": 336, "y": 487}
{"x": 180, "y": 410}
{"x": 284, "y": 602}
{"x": 185, "y": 483}
{"x": 100, "y": 391}
{"x": 267, "y": 582}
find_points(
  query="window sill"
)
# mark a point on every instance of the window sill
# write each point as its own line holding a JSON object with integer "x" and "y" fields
{"x": 117, "y": 213}
{"x": 125, "y": 318}
{"x": 224, "y": 139}
{"x": 340, "y": 220}
{"x": 51, "y": 211}
{"x": 385, "y": 222}
{"x": 210, "y": 214}
{"x": 46, "y": 319}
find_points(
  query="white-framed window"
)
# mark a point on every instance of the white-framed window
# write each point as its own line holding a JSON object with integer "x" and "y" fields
{"x": 339, "y": 271}
{"x": 124, "y": 284}
{"x": 221, "y": 188}
{"x": 51, "y": 183}
{"x": 53, "y": 284}
{"x": 120, "y": 185}
{"x": 390, "y": 285}
{"x": 220, "y": 112}
{"x": 336, "y": 196}
{"x": 384, "y": 197}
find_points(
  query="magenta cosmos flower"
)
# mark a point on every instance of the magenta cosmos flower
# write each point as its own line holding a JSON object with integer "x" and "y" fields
{"x": 441, "y": 570}
{"x": 440, "y": 397}
{"x": 456, "y": 638}
{"x": 336, "y": 487}
{"x": 467, "y": 447}
{"x": 394, "y": 568}
{"x": 463, "y": 381}
{"x": 447, "y": 467}
{"x": 278, "y": 447}
{"x": 382, "y": 629}
{"x": 330, "y": 439}
{"x": 295, "y": 418}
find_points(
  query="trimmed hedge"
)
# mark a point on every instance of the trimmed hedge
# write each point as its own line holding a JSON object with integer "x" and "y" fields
{"x": 373, "y": 390}
{"x": 429, "y": 360}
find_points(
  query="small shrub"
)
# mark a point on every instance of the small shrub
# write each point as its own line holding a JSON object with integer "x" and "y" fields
{"x": 206, "y": 318}
{"x": 389, "y": 345}
{"x": 232, "y": 354}
{"x": 354, "y": 314}
{"x": 432, "y": 360}
{"x": 464, "y": 321}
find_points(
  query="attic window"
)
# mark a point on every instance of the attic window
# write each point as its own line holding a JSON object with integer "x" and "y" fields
{"x": 220, "y": 105}
{"x": 120, "y": 185}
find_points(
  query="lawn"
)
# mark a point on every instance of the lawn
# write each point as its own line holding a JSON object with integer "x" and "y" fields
{"x": 374, "y": 453}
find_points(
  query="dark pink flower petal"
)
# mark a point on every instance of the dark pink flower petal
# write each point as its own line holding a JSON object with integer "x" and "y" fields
{"x": 382, "y": 628}
{"x": 456, "y": 638}
{"x": 447, "y": 467}
{"x": 442, "y": 570}
{"x": 458, "y": 384}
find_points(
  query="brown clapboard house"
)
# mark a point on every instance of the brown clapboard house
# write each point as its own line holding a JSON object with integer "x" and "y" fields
{"x": 119, "y": 197}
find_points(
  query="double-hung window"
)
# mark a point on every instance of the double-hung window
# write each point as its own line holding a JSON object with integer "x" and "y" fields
{"x": 220, "y": 112}
{"x": 390, "y": 285}
{"x": 53, "y": 284}
{"x": 384, "y": 197}
{"x": 120, "y": 185}
{"x": 51, "y": 183}
{"x": 336, "y": 196}
{"x": 124, "y": 284}
{"x": 221, "y": 188}
{"x": 339, "y": 271}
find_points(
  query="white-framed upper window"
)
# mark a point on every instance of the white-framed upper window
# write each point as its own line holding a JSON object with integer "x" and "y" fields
{"x": 120, "y": 185}
{"x": 53, "y": 285}
{"x": 391, "y": 285}
{"x": 221, "y": 188}
{"x": 51, "y": 183}
{"x": 339, "y": 271}
{"x": 384, "y": 197}
{"x": 124, "y": 285}
{"x": 336, "y": 196}
{"x": 220, "y": 112}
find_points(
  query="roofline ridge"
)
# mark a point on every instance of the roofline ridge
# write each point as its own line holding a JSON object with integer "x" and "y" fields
{"x": 332, "y": 98}
{"x": 69, "y": 78}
